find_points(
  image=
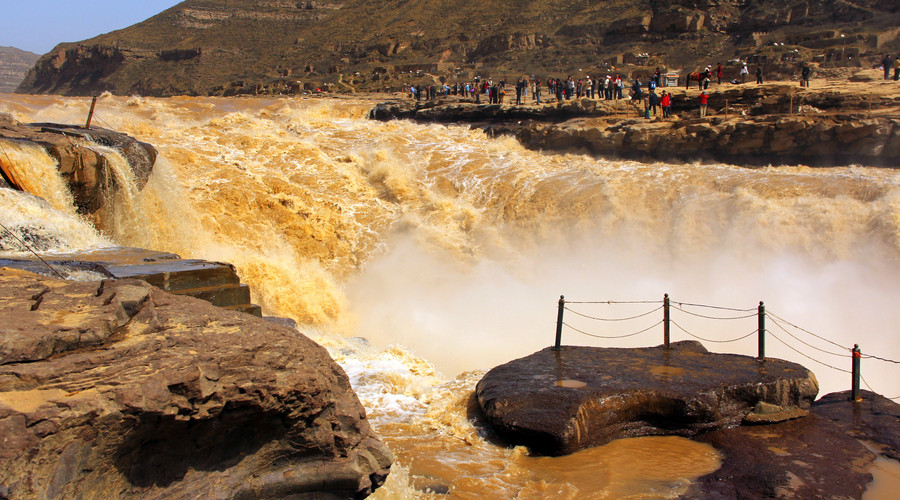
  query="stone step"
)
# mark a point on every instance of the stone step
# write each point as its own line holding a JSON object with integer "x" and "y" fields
{"x": 176, "y": 275}
{"x": 214, "y": 282}
{"x": 222, "y": 296}
{"x": 253, "y": 309}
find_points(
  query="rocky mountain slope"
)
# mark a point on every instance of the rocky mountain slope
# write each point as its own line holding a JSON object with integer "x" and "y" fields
{"x": 227, "y": 47}
{"x": 14, "y": 63}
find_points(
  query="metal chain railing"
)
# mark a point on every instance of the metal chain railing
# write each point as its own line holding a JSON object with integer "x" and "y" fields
{"x": 760, "y": 312}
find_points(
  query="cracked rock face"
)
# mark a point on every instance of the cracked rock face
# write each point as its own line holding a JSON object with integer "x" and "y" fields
{"x": 117, "y": 389}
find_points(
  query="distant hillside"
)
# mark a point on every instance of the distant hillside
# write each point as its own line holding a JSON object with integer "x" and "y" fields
{"x": 226, "y": 47}
{"x": 14, "y": 63}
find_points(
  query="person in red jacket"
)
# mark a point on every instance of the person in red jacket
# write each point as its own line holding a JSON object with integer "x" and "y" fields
{"x": 666, "y": 102}
{"x": 719, "y": 73}
{"x": 704, "y": 99}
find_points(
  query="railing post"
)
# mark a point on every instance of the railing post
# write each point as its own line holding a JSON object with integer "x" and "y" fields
{"x": 91, "y": 113}
{"x": 666, "y": 320}
{"x": 559, "y": 321}
{"x": 854, "y": 391}
{"x": 762, "y": 330}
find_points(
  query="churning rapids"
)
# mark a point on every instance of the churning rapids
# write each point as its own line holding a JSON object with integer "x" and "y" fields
{"x": 421, "y": 255}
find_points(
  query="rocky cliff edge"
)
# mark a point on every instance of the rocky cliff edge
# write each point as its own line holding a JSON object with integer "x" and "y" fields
{"x": 118, "y": 389}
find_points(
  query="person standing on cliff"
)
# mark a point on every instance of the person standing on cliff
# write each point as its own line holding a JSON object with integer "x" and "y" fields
{"x": 897, "y": 68}
{"x": 666, "y": 103}
{"x": 886, "y": 63}
{"x": 704, "y": 100}
{"x": 744, "y": 72}
{"x": 654, "y": 101}
{"x": 719, "y": 73}
{"x": 804, "y": 75}
{"x": 759, "y": 78}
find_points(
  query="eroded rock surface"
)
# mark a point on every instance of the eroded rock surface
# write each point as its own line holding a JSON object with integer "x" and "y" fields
{"x": 875, "y": 419}
{"x": 117, "y": 389}
{"x": 557, "y": 402}
{"x": 805, "y": 458}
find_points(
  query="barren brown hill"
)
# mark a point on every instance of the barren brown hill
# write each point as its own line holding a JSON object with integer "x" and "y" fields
{"x": 13, "y": 65}
{"x": 228, "y": 47}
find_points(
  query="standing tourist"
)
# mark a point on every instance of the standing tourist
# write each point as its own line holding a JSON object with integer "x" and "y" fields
{"x": 744, "y": 72}
{"x": 886, "y": 64}
{"x": 704, "y": 99}
{"x": 619, "y": 86}
{"x": 536, "y": 91}
{"x": 636, "y": 91}
{"x": 804, "y": 75}
{"x": 759, "y": 78}
{"x": 666, "y": 103}
{"x": 608, "y": 88}
{"x": 654, "y": 101}
{"x": 897, "y": 68}
{"x": 719, "y": 73}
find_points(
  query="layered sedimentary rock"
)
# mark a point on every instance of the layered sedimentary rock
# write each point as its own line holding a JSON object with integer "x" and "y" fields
{"x": 778, "y": 139}
{"x": 81, "y": 160}
{"x": 14, "y": 63}
{"x": 117, "y": 389}
{"x": 201, "y": 47}
{"x": 214, "y": 282}
{"x": 559, "y": 401}
{"x": 746, "y": 125}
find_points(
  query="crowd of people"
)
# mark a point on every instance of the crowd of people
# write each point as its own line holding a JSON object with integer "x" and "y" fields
{"x": 611, "y": 87}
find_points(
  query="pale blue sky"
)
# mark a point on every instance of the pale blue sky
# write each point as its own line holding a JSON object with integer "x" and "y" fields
{"x": 38, "y": 25}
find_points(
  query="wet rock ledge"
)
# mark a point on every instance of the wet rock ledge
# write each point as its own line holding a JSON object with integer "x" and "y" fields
{"x": 774, "y": 441}
{"x": 81, "y": 160}
{"x": 558, "y": 402}
{"x": 116, "y": 389}
{"x": 746, "y": 125}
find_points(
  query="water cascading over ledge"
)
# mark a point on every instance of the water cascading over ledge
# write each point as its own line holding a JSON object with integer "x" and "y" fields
{"x": 79, "y": 154}
{"x": 94, "y": 167}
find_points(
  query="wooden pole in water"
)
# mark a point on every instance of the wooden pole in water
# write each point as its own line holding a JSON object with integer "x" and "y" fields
{"x": 559, "y": 321}
{"x": 91, "y": 113}
{"x": 666, "y": 320}
{"x": 854, "y": 388}
{"x": 761, "y": 322}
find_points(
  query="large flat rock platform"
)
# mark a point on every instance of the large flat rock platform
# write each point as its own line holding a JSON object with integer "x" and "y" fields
{"x": 559, "y": 401}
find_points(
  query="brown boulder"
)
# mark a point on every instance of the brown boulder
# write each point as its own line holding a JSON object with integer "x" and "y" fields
{"x": 560, "y": 401}
{"x": 116, "y": 389}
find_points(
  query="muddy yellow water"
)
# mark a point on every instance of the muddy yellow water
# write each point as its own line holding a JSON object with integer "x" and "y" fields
{"x": 422, "y": 255}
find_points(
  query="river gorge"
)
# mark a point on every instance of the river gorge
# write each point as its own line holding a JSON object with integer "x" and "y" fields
{"x": 421, "y": 255}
